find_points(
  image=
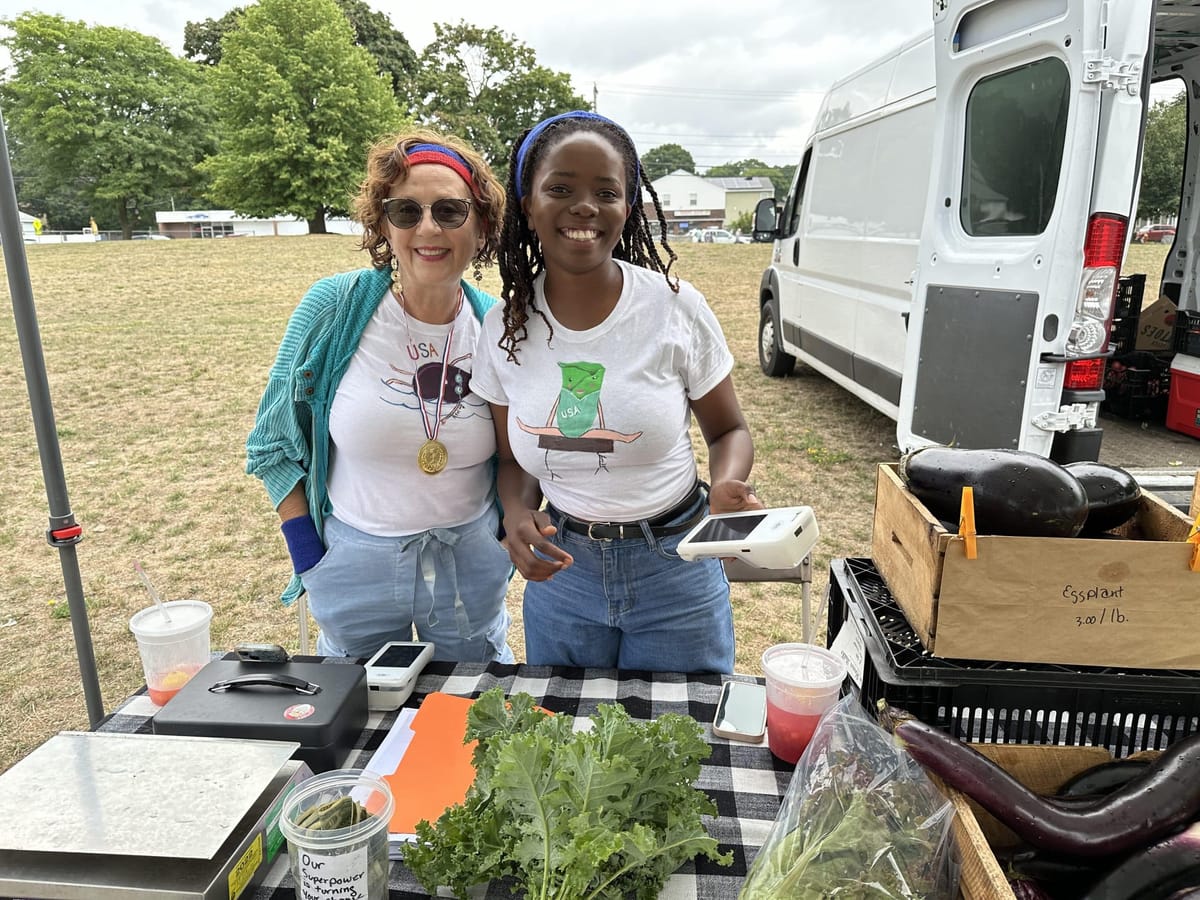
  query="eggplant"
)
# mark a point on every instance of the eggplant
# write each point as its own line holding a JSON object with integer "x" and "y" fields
{"x": 1103, "y": 778}
{"x": 1162, "y": 799}
{"x": 1113, "y": 496}
{"x": 1067, "y": 878}
{"x": 1016, "y": 492}
{"x": 1028, "y": 889}
{"x": 1158, "y": 872}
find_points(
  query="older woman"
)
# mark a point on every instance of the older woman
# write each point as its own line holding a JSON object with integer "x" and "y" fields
{"x": 372, "y": 447}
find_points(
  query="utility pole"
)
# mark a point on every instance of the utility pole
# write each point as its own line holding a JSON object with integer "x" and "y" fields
{"x": 595, "y": 98}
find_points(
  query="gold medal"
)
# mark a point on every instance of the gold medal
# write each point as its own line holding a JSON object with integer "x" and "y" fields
{"x": 432, "y": 457}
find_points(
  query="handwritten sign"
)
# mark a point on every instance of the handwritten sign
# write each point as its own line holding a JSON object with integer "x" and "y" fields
{"x": 341, "y": 876}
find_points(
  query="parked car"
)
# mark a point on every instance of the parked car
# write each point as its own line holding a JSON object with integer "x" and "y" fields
{"x": 718, "y": 236}
{"x": 1155, "y": 234}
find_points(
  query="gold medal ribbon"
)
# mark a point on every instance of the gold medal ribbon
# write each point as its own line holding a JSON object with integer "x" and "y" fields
{"x": 432, "y": 457}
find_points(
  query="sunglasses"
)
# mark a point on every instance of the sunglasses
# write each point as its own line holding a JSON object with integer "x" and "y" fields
{"x": 449, "y": 212}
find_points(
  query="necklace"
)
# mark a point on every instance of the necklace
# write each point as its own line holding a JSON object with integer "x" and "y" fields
{"x": 433, "y": 456}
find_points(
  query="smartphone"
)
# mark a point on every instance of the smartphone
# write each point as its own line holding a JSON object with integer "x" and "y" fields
{"x": 741, "y": 712}
{"x": 392, "y": 672}
{"x": 265, "y": 653}
{"x": 764, "y": 538}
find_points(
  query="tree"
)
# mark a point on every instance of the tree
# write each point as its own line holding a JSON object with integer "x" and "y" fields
{"x": 1162, "y": 158}
{"x": 373, "y": 32}
{"x": 665, "y": 159}
{"x": 299, "y": 105}
{"x": 202, "y": 40}
{"x": 102, "y": 117}
{"x": 486, "y": 87}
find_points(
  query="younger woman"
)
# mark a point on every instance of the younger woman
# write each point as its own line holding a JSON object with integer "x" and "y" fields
{"x": 594, "y": 366}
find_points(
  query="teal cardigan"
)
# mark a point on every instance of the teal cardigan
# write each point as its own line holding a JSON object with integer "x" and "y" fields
{"x": 290, "y": 439}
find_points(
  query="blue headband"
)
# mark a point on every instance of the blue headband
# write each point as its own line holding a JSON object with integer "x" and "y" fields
{"x": 536, "y": 132}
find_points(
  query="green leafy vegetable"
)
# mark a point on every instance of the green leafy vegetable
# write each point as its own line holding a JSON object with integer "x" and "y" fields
{"x": 857, "y": 834}
{"x": 603, "y": 814}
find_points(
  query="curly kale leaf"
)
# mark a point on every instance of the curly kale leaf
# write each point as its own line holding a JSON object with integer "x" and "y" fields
{"x": 599, "y": 814}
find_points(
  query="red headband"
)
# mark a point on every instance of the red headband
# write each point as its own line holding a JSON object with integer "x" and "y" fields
{"x": 442, "y": 156}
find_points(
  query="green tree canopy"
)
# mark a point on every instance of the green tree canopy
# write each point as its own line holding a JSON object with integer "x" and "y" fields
{"x": 1162, "y": 158}
{"x": 486, "y": 87}
{"x": 665, "y": 159}
{"x": 373, "y": 32}
{"x": 299, "y": 105}
{"x": 103, "y": 117}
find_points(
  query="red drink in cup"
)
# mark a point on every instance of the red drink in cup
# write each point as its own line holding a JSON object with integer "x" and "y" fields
{"x": 803, "y": 681}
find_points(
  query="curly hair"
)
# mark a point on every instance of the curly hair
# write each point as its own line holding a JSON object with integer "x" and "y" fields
{"x": 520, "y": 252}
{"x": 387, "y": 162}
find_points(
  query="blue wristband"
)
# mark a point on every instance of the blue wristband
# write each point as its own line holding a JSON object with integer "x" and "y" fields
{"x": 304, "y": 544}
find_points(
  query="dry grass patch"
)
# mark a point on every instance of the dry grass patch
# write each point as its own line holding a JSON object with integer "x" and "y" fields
{"x": 157, "y": 353}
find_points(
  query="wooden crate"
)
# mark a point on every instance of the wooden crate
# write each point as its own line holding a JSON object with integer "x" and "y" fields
{"x": 1128, "y": 601}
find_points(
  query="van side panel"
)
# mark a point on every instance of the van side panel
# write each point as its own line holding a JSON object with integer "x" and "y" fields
{"x": 845, "y": 278}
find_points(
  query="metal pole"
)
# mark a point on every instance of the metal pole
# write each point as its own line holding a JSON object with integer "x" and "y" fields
{"x": 63, "y": 532}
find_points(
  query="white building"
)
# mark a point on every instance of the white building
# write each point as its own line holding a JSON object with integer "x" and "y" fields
{"x": 692, "y": 201}
{"x": 211, "y": 223}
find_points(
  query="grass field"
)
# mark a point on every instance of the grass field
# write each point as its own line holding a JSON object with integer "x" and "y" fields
{"x": 157, "y": 353}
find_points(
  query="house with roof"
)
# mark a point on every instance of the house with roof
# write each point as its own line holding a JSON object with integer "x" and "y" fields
{"x": 693, "y": 201}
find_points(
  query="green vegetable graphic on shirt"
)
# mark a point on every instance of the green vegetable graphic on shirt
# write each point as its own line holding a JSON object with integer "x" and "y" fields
{"x": 575, "y": 423}
{"x": 579, "y": 400}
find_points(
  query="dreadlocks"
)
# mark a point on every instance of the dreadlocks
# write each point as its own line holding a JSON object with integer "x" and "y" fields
{"x": 520, "y": 253}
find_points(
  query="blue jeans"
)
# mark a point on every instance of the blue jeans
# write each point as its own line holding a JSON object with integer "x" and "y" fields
{"x": 448, "y": 583}
{"x": 631, "y": 604}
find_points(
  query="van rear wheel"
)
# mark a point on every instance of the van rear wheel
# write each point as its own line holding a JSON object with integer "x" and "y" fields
{"x": 771, "y": 358}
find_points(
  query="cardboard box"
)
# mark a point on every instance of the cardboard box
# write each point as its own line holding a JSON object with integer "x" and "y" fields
{"x": 1156, "y": 326}
{"x": 1194, "y": 506}
{"x": 1130, "y": 601}
{"x": 978, "y": 835}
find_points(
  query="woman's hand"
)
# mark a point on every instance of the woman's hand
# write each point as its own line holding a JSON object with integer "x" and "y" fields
{"x": 732, "y": 496}
{"x": 527, "y": 531}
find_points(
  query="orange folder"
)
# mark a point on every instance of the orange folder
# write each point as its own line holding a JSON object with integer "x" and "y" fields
{"x": 436, "y": 769}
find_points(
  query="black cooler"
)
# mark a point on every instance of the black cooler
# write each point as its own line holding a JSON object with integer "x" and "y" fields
{"x": 323, "y": 706}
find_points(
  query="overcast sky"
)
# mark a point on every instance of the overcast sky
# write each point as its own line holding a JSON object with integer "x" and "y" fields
{"x": 726, "y": 79}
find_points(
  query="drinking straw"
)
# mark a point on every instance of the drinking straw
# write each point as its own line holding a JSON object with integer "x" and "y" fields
{"x": 137, "y": 567}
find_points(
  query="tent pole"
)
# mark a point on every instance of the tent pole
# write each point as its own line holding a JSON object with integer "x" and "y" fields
{"x": 63, "y": 532}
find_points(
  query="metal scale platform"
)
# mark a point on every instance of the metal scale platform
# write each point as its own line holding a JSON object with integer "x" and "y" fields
{"x": 100, "y": 815}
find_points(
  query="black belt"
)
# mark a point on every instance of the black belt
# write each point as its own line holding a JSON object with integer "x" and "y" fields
{"x": 619, "y": 531}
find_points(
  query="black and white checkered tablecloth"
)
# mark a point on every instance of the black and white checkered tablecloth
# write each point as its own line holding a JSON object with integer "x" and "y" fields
{"x": 745, "y": 781}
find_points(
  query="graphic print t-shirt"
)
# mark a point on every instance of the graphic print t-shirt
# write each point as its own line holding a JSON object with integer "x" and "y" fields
{"x": 600, "y": 417}
{"x": 382, "y": 413}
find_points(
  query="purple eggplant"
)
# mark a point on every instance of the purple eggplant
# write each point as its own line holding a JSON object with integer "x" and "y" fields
{"x": 1103, "y": 778}
{"x": 1028, "y": 889}
{"x": 1162, "y": 799}
{"x": 1157, "y": 873}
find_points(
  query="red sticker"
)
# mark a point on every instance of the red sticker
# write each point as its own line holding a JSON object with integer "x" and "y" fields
{"x": 299, "y": 711}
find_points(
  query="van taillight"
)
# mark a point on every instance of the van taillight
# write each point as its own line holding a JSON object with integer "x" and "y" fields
{"x": 1102, "y": 249}
{"x": 1105, "y": 241}
{"x": 1084, "y": 375}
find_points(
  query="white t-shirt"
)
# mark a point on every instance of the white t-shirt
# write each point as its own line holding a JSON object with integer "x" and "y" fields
{"x": 600, "y": 417}
{"x": 377, "y": 425}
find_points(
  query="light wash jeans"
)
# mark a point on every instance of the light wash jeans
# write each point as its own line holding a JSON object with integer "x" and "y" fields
{"x": 448, "y": 583}
{"x": 631, "y": 604}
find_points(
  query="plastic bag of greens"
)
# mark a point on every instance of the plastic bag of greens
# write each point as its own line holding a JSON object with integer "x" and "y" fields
{"x": 860, "y": 820}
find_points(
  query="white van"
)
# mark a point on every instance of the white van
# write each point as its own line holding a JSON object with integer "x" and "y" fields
{"x": 950, "y": 248}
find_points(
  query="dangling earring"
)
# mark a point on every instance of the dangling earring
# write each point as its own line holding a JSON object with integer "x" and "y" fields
{"x": 478, "y": 273}
{"x": 397, "y": 278}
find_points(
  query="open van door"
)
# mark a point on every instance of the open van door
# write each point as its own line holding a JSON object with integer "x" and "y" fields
{"x": 1035, "y": 164}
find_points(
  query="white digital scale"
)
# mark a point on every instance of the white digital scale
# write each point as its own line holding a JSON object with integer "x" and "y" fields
{"x": 99, "y": 815}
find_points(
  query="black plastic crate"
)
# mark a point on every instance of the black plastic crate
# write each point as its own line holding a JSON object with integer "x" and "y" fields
{"x": 1125, "y": 710}
{"x": 1128, "y": 303}
{"x": 1187, "y": 333}
{"x": 1138, "y": 385}
{"x": 1123, "y": 336}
